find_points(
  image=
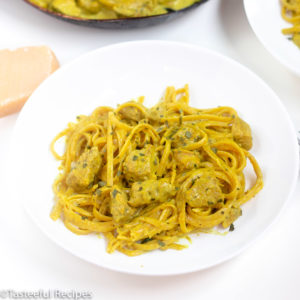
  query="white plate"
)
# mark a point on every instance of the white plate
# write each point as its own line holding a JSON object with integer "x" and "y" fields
{"x": 119, "y": 73}
{"x": 265, "y": 19}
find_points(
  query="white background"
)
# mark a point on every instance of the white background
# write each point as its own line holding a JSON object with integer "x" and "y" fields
{"x": 29, "y": 261}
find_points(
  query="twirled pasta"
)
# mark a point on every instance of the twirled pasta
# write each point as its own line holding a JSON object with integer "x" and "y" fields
{"x": 147, "y": 177}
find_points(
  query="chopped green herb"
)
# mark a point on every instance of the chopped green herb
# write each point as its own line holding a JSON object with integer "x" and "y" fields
{"x": 177, "y": 188}
{"x": 188, "y": 134}
{"x": 214, "y": 150}
{"x": 114, "y": 193}
{"x": 167, "y": 124}
{"x": 180, "y": 120}
{"x": 233, "y": 116}
{"x": 146, "y": 240}
{"x": 161, "y": 243}
{"x": 89, "y": 147}
{"x": 155, "y": 162}
{"x": 119, "y": 173}
{"x": 157, "y": 108}
{"x": 142, "y": 154}
{"x": 102, "y": 183}
{"x": 222, "y": 212}
{"x": 134, "y": 158}
{"x": 210, "y": 203}
{"x": 220, "y": 200}
{"x": 172, "y": 133}
{"x": 84, "y": 165}
{"x": 83, "y": 217}
{"x": 290, "y": 38}
{"x": 78, "y": 117}
{"x": 140, "y": 188}
{"x": 231, "y": 228}
{"x": 98, "y": 192}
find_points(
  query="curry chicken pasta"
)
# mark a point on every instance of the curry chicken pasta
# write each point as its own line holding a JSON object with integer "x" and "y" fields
{"x": 146, "y": 178}
{"x": 290, "y": 11}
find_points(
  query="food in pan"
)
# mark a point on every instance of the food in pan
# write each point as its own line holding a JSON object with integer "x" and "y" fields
{"x": 113, "y": 9}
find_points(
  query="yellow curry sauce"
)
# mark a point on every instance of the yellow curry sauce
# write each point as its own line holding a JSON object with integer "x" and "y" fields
{"x": 113, "y": 9}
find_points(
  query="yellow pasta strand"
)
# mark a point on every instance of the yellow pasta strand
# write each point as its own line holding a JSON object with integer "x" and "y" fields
{"x": 290, "y": 11}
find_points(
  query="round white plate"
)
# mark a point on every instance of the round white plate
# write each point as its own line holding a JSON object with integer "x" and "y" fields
{"x": 118, "y": 73}
{"x": 265, "y": 19}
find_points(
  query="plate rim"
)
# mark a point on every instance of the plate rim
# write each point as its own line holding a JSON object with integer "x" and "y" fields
{"x": 294, "y": 149}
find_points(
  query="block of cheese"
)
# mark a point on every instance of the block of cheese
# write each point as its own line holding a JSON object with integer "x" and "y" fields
{"x": 21, "y": 71}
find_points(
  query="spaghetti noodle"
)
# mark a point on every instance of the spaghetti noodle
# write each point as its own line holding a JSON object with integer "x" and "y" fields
{"x": 147, "y": 177}
{"x": 290, "y": 12}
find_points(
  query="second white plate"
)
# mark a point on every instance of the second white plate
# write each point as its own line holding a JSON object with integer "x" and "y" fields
{"x": 265, "y": 19}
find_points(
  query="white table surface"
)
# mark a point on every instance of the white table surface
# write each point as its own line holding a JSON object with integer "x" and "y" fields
{"x": 30, "y": 261}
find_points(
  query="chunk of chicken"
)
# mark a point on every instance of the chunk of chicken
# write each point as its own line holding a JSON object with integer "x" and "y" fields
{"x": 150, "y": 191}
{"x": 241, "y": 132}
{"x": 131, "y": 113}
{"x": 205, "y": 192}
{"x": 119, "y": 207}
{"x": 184, "y": 136}
{"x": 141, "y": 164}
{"x": 156, "y": 113}
{"x": 84, "y": 169}
{"x": 187, "y": 160}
